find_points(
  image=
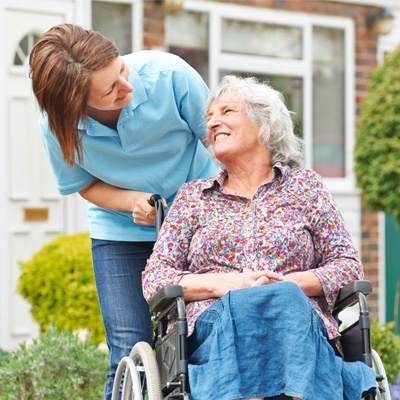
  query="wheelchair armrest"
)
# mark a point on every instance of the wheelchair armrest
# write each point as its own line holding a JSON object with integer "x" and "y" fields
{"x": 165, "y": 299}
{"x": 348, "y": 296}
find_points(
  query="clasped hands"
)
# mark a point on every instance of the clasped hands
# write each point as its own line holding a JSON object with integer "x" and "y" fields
{"x": 259, "y": 278}
{"x": 223, "y": 283}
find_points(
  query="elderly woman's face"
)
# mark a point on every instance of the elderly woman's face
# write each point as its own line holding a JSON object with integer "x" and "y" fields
{"x": 230, "y": 131}
{"x": 110, "y": 88}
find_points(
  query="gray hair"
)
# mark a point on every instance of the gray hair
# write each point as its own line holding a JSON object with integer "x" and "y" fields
{"x": 265, "y": 106}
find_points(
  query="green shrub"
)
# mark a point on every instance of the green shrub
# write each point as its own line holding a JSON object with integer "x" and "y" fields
{"x": 3, "y": 356}
{"x": 377, "y": 150}
{"x": 387, "y": 344}
{"x": 55, "y": 366}
{"x": 58, "y": 282}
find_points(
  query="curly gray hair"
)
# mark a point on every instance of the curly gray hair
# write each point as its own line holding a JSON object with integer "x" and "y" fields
{"x": 265, "y": 106}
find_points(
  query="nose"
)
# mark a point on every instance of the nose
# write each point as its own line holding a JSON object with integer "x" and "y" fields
{"x": 213, "y": 122}
{"x": 127, "y": 87}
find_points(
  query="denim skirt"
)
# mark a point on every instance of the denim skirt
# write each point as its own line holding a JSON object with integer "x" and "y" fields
{"x": 267, "y": 341}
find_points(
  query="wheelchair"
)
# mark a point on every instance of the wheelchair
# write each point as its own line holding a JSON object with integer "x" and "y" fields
{"x": 161, "y": 372}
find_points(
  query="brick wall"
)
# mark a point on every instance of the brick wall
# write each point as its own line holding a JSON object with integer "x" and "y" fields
{"x": 365, "y": 59}
{"x": 153, "y": 25}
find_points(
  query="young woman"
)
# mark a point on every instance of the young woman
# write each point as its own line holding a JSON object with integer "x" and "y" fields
{"x": 116, "y": 130}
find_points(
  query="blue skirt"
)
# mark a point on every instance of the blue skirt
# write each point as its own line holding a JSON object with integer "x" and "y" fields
{"x": 267, "y": 341}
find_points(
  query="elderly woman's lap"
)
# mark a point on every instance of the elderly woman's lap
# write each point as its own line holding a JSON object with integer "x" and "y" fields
{"x": 264, "y": 341}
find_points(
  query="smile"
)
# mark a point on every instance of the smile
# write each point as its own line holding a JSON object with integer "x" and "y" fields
{"x": 220, "y": 136}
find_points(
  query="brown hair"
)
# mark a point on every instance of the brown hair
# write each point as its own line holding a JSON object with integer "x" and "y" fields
{"x": 61, "y": 64}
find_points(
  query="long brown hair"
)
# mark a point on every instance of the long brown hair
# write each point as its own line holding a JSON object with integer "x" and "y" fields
{"x": 61, "y": 65}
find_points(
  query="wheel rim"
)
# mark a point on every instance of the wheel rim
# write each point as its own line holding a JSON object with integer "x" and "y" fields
{"x": 147, "y": 373}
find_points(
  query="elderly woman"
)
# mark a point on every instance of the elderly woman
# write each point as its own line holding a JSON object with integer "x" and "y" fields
{"x": 260, "y": 251}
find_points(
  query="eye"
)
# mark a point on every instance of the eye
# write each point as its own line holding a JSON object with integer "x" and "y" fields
{"x": 109, "y": 92}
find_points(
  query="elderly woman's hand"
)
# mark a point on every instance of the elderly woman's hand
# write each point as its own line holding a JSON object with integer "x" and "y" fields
{"x": 260, "y": 278}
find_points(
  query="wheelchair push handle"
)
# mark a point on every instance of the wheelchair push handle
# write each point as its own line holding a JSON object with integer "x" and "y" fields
{"x": 157, "y": 202}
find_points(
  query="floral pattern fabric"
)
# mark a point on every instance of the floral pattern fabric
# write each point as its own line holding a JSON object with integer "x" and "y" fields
{"x": 291, "y": 224}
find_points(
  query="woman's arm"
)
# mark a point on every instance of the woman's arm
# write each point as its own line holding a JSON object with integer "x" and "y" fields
{"x": 307, "y": 281}
{"x": 336, "y": 259}
{"x": 207, "y": 286}
{"x": 107, "y": 196}
{"x": 71, "y": 179}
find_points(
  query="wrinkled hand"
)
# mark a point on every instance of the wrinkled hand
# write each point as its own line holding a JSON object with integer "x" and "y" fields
{"x": 247, "y": 278}
{"x": 143, "y": 213}
{"x": 260, "y": 278}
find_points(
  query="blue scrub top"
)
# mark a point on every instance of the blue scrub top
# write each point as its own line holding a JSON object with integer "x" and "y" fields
{"x": 155, "y": 149}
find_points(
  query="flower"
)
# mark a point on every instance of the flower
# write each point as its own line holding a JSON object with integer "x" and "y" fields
{"x": 29, "y": 344}
{"x": 103, "y": 347}
{"x": 82, "y": 335}
{"x": 395, "y": 389}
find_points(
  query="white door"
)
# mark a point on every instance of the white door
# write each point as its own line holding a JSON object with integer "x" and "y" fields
{"x": 35, "y": 212}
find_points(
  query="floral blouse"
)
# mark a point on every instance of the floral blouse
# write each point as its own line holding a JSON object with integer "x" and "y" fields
{"x": 291, "y": 224}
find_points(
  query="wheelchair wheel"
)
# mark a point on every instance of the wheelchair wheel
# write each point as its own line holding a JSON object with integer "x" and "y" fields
{"x": 383, "y": 385}
{"x": 138, "y": 374}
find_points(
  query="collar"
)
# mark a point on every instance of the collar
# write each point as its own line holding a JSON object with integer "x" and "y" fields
{"x": 279, "y": 171}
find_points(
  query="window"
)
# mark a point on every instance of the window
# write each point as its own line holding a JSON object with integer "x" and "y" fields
{"x": 260, "y": 39}
{"x": 328, "y": 105}
{"x": 24, "y": 48}
{"x": 303, "y": 56}
{"x": 121, "y": 21}
{"x": 193, "y": 45}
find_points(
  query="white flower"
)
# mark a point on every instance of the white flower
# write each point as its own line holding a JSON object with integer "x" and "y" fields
{"x": 29, "y": 344}
{"x": 103, "y": 347}
{"x": 82, "y": 335}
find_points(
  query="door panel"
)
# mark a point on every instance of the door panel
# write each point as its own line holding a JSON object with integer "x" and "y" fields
{"x": 35, "y": 211}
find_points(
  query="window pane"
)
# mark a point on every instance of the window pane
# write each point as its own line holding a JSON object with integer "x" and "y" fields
{"x": 290, "y": 87}
{"x": 115, "y": 21}
{"x": 328, "y": 102}
{"x": 261, "y": 39}
{"x": 24, "y": 48}
{"x": 192, "y": 46}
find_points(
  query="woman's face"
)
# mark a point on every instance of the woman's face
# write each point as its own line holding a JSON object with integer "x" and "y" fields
{"x": 230, "y": 131}
{"x": 109, "y": 87}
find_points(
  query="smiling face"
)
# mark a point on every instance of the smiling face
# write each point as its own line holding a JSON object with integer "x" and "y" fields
{"x": 109, "y": 87}
{"x": 230, "y": 131}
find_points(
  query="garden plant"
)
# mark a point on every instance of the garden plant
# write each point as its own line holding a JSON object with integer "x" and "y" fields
{"x": 58, "y": 365}
{"x": 58, "y": 282}
{"x": 377, "y": 150}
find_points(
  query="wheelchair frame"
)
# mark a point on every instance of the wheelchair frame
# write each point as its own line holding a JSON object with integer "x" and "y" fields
{"x": 355, "y": 349}
{"x": 161, "y": 372}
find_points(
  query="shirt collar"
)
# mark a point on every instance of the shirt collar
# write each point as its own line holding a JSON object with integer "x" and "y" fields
{"x": 279, "y": 170}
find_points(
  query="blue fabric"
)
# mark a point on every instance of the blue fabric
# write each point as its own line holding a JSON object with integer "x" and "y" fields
{"x": 155, "y": 150}
{"x": 117, "y": 268}
{"x": 265, "y": 341}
